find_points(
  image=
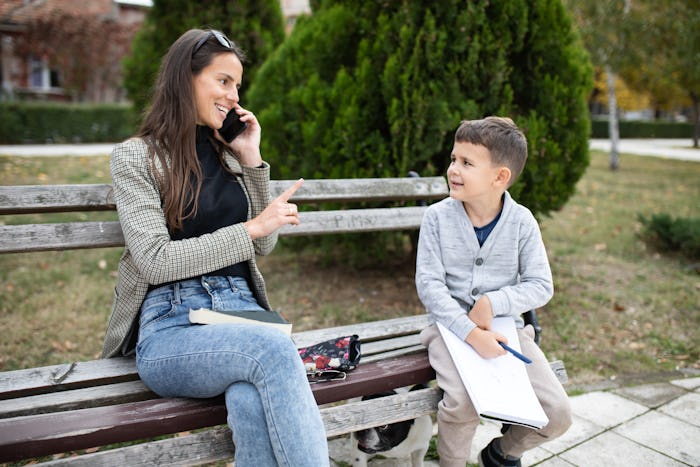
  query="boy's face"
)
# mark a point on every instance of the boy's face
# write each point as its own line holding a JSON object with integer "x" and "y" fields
{"x": 471, "y": 175}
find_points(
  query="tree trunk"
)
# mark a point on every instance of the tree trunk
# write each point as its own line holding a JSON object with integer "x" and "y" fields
{"x": 696, "y": 119}
{"x": 613, "y": 126}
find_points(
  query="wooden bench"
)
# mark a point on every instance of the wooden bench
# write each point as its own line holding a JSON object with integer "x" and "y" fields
{"x": 81, "y": 405}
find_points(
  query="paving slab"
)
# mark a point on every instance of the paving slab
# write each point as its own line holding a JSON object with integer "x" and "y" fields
{"x": 536, "y": 456}
{"x": 663, "y": 433}
{"x": 487, "y": 431}
{"x": 611, "y": 449}
{"x": 687, "y": 383}
{"x": 555, "y": 461}
{"x": 580, "y": 430}
{"x": 652, "y": 395}
{"x": 606, "y": 409}
{"x": 686, "y": 408}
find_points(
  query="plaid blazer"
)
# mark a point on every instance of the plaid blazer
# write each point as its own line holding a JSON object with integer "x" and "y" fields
{"x": 150, "y": 257}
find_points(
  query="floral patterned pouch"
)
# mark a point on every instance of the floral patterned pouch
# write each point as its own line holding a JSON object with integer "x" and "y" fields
{"x": 330, "y": 360}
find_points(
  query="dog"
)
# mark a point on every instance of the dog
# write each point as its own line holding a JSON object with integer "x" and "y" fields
{"x": 405, "y": 440}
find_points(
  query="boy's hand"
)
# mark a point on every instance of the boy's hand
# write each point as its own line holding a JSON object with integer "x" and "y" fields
{"x": 481, "y": 313}
{"x": 486, "y": 342}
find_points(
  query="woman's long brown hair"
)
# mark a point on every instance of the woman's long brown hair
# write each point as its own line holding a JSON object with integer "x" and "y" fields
{"x": 169, "y": 126}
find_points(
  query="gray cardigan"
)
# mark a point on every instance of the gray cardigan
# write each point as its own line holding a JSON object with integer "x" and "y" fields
{"x": 150, "y": 257}
{"x": 453, "y": 271}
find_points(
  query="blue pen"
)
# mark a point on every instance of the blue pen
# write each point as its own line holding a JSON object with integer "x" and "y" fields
{"x": 516, "y": 353}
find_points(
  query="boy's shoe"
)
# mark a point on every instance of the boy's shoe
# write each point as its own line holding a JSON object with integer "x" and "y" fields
{"x": 491, "y": 456}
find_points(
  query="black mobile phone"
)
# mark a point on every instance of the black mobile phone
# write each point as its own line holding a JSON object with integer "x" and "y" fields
{"x": 232, "y": 127}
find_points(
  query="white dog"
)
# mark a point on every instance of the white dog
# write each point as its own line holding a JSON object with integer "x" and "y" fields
{"x": 402, "y": 440}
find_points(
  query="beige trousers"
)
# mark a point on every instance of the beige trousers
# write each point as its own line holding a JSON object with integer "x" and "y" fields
{"x": 458, "y": 420}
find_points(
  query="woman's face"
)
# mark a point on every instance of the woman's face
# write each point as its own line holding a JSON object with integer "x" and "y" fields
{"x": 216, "y": 89}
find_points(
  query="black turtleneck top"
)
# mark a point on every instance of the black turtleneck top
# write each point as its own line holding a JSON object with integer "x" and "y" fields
{"x": 222, "y": 201}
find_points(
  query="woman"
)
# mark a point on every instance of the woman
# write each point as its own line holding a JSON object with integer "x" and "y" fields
{"x": 195, "y": 211}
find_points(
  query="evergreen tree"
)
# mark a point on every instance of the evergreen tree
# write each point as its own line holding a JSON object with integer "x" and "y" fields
{"x": 374, "y": 89}
{"x": 256, "y": 26}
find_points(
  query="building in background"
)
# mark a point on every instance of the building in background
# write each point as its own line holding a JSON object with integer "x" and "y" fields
{"x": 292, "y": 9}
{"x": 43, "y": 55}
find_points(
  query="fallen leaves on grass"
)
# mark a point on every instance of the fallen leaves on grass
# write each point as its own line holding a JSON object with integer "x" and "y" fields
{"x": 64, "y": 346}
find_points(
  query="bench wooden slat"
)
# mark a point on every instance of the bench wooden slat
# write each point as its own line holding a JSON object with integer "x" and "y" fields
{"x": 192, "y": 449}
{"x": 28, "y": 382}
{"x": 216, "y": 445}
{"x": 380, "y": 348}
{"x": 38, "y": 435}
{"x": 119, "y": 393}
{"x": 20, "y": 383}
{"x": 60, "y": 236}
{"x": 131, "y": 391}
{"x": 376, "y": 377}
{"x": 26, "y": 199}
{"x": 364, "y": 189}
{"x": 395, "y": 353}
{"x": 368, "y": 332}
{"x": 355, "y": 220}
{"x": 84, "y": 398}
{"x": 81, "y": 235}
{"x": 354, "y": 416}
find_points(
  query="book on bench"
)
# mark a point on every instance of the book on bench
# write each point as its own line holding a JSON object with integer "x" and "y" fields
{"x": 259, "y": 317}
{"x": 498, "y": 387}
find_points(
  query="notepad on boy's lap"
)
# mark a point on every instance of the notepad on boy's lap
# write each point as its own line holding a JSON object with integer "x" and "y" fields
{"x": 260, "y": 317}
{"x": 498, "y": 387}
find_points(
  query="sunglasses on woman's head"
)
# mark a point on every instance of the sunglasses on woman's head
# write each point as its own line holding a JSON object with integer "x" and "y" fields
{"x": 223, "y": 40}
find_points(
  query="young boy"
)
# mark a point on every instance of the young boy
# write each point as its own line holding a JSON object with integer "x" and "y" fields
{"x": 480, "y": 255}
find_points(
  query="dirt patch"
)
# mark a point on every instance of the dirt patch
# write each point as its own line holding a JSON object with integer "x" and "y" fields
{"x": 317, "y": 295}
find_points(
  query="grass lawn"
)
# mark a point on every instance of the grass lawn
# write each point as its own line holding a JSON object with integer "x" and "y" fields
{"x": 619, "y": 308}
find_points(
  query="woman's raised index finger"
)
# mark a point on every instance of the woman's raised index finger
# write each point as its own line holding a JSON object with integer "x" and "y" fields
{"x": 286, "y": 194}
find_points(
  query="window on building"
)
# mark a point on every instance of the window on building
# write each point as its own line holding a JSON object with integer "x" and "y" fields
{"x": 41, "y": 76}
{"x": 54, "y": 80}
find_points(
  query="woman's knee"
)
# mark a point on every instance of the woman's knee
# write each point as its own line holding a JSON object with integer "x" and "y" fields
{"x": 277, "y": 344}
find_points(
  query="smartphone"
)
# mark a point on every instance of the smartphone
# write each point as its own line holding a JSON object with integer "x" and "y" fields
{"x": 232, "y": 127}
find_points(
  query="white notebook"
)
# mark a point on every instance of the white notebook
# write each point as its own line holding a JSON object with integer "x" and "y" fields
{"x": 499, "y": 387}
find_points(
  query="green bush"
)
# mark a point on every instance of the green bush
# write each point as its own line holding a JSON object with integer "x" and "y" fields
{"x": 48, "y": 122}
{"x": 256, "y": 26}
{"x": 374, "y": 89}
{"x": 681, "y": 235}
{"x": 642, "y": 129}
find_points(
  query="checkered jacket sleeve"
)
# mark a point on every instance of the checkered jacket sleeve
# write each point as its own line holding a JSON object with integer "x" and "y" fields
{"x": 160, "y": 259}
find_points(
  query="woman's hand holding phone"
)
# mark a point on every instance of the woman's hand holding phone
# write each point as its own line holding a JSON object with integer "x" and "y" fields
{"x": 244, "y": 130}
{"x": 232, "y": 126}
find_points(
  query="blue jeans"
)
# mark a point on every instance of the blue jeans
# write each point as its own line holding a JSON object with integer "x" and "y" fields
{"x": 271, "y": 410}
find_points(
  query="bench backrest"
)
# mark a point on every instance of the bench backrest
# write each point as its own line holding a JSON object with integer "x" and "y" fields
{"x": 99, "y": 234}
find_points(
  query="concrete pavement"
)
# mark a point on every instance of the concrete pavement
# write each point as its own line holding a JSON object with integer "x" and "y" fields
{"x": 29, "y": 150}
{"x": 670, "y": 148}
{"x": 656, "y": 424}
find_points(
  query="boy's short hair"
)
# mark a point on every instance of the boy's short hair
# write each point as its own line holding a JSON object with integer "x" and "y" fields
{"x": 502, "y": 137}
